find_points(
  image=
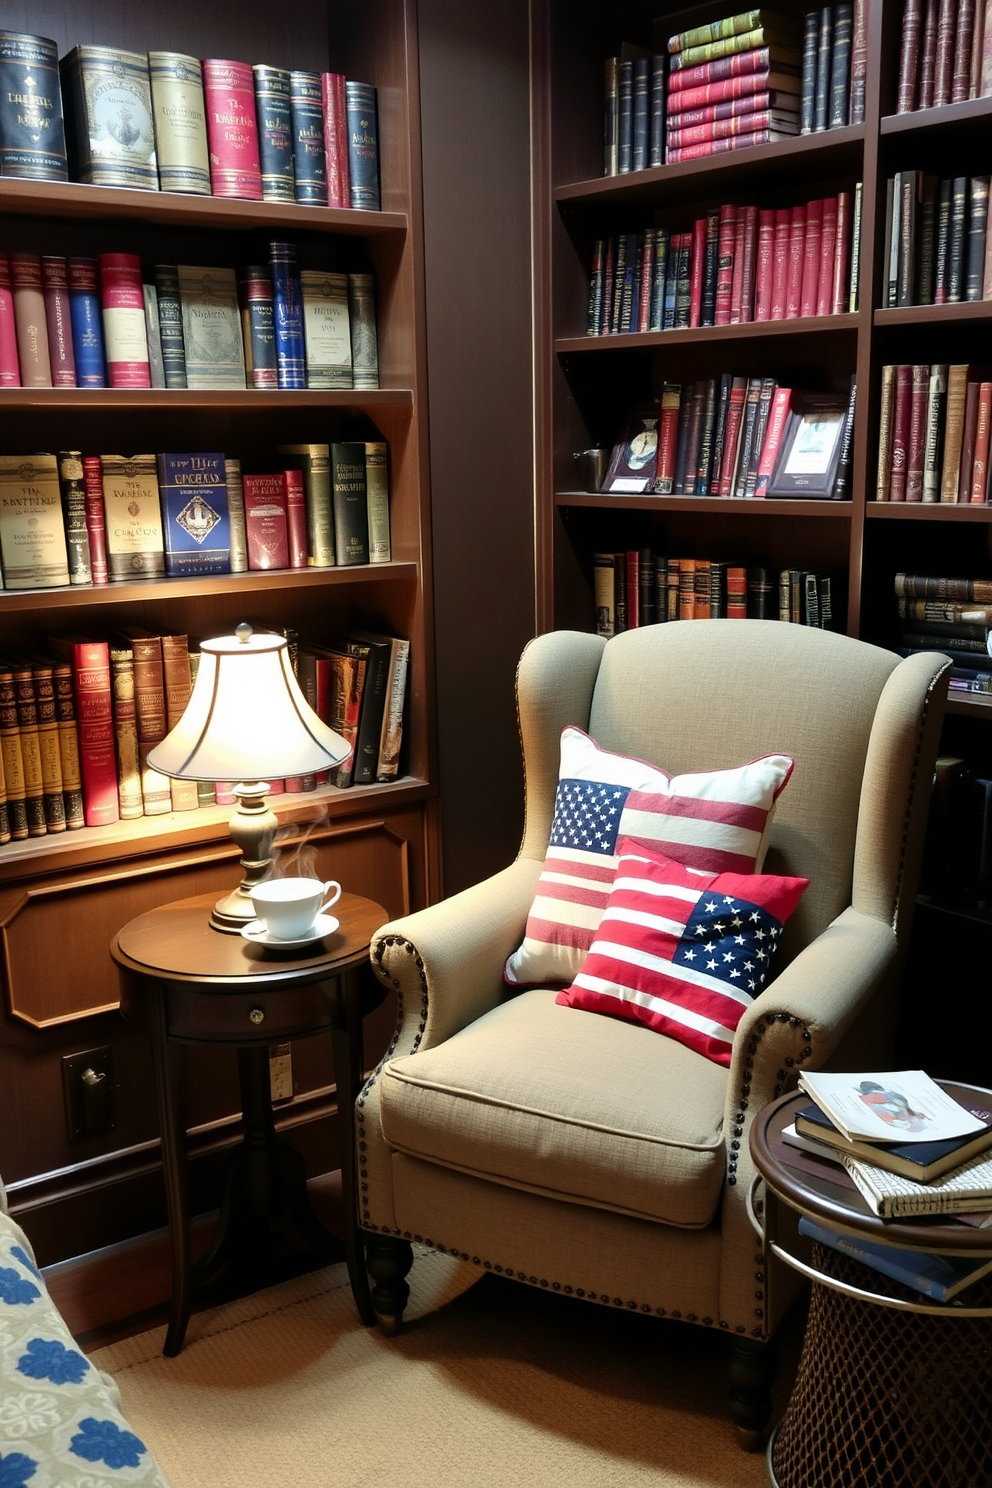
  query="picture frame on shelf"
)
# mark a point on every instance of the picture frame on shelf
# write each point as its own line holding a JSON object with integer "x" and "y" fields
{"x": 809, "y": 457}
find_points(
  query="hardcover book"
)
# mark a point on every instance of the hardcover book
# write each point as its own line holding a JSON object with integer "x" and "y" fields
{"x": 32, "y": 537}
{"x": 296, "y": 517}
{"x": 232, "y": 129}
{"x": 110, "y": 128}
{"x": 377, "y": 489}
{"x": 309, "y": 158}
{"x": 349, "y": 501}
{"x": 135, "y": 540}
{"x": 377, "y": 650}
{"x": 921, "y": 1160}
{"x": 938, "y": 1276}
{"x": 213, "y": 348}
{"x": 363, "y": 145}
{"x": 125, "y": 713}
{"x": 195, "y": 524}
{"x": 633, "y": 463}
{"x": 335, "y": 110}
{"x": 96, "y": 525}
{"x": 391, "y": 736}
{"x": 287, "y": 315}
{"x": 327, "y": 329}
{"x": 32, "y": 132}
{"x": 87, "y": 322}
{"x": 180, "y": 116}
{"x": 314, "y": 461}
{"x": 125, "y": 335}
{"x": 236, "y": 515}
{"x": 177, "y": 678}
{"x": 153, "y": 336}
{"x": 149, "y": 701}
{"x": 258, "y": 325}
{"x": 10, "y": 371}
{"x": 55, "y": 288}
{"x": 364, "y": 339}
{"x": 170, "y": 325}
{"x": 275, "y": 132}
{"x": 90, "y": 662}
{"x": 65, "y": 715}
{"x": 266, "y": 523}
{"x": 30, "y": 320}
{"x": 72, "y": 487}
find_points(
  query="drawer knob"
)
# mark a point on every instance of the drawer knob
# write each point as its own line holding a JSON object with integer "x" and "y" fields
{"x": 257, "y": 1015}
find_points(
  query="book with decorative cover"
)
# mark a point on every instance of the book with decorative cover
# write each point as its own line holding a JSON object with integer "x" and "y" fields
{"x": 266, "y": 521}
{"x": 327, "y": 329}
{"x": 232, "y": 129}
{"x": 135, "y": 541}
{"x": 213, "y": 348}
{"x": 309, "y": 157}
{"x": 258, "y": 325}
{"x": 90, "y": 662}
{"x": 32, "y": 131}
{"x": 110, "y": 128}
{"x": 193, "y": 493}
{"x": 363, "y": 145}
{"x": 314, "y": 461}
{"x": 72, "y": 487}
{"x": 32, "y": 537}
{"x": 921, "y": 1161}
{"x": 890, "y": 1106}
{"x": 275, "y": 132}
{"x": 180, "y": 116}
{"x": 125, "y": 332}
{"x": 287, "y": 316}
{"x": 349, "y": 501}
{"x": 87, "y": 322}
{"x": 170, "y": 325}
{"x": 336, "y": 139}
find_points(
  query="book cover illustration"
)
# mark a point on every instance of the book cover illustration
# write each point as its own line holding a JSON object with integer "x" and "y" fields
{"x": 113, "y": 127}
{"x": 195, "y": 522}
{"x": 214, "y": 350}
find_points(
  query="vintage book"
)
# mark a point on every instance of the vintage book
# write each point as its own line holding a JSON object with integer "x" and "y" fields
{"x": 346, "y": 685}
{"x": 671, "y": 398}
{"x": 957, "y": 393}
{"x": 942, "y": 228}
{"x": 964, "y": 35}
{"x": 72, "y": 488}
{"x": 886, "y": 1106}
{"x": 611, "y": 86}
{"x": 170, "y": 325}
{"x": 266, "y": 520}
{"x": 968, "y": 434}
{"x": 775, "y": 428}
{"x": 257, "y": 325}
{"x": 840, "y": 65}
{"x": 782, "y": 119}
{"x": 940, "y": 1277}
{"x": 232, "y": 129}
{"x": 236, "y": 514}
{"x": 180, "y": 116}
{"x": 810, "y": 47}
{"x": 391, "y": 736}
{"x": 916, "y": 442}
{"x": 296, "y": 517}
{"x": 153, "y": 336}
{"x": 821, "y": 90}
{"x": 13, "y": 759}
{"x": 177, "y": 678}
{"x": 711, "y": 250}
{"x": 796, "y": 262}
{"x": 43, "y": 684}
{"x": 828, "y": 256}
{"x": 376, "y": 650}
{"x": 640, "y": 112}
{"x": 314, "y": 461}
{"x": 90, "y": 662}
{"x": 87, "y": 322}
{"x": 195, "y": 526}
{"x": 922, "y": 1160}
{"x": 32, "y": 133}
{"x": 780, "y": 261}
{"x": 957, "y": 240}
{"x": 978, "y": 208}
{"x": 704, "y": 453}
{"x": 885, "y": 420}
{"x": 275, "y": 132}
{"x": 967, "y": 1189}
{"x": 68, "y": 732}
{"x": 32, "y": 537}
{"x": 96, "y": 523}
{"x": 909, "y": 56}
{"x": 901, "y": 412}
{"x": 55, "y": 287}
{"x": 125, "y": 714}
{"x": 10, "y": 371}
{"x": 309, "y": 158}
{"x": 326, "y": 328}
{"x": 782, "y": 104}
{"x": 958, "y": 597}
{"x": 214, "y": 351}
{"x": 764, "y": 274}
{"x": 349, "y": 502}
{"x": 752, "y": 398}
{"x": 30, "y": 321}
{"x": 377, "y": 491}
{"x": 784, "y": 42}
{"x": 123, "y": 308}
{"x": 731, "y": 437}
{"x": 135, "y": 540}
{"x": 110, "y": 129}
{"x": 944, "y": 57}
{"x": 737, "y": 64}
{"x": 36, "y": 799}
{"x": 336, "y": 139}
{"x": 978, "y": 488}
{"x": 149, "y": 701}
{"x": 363, "y": 145}
{"x": 21, "y": 752}
{"x": 364, "y": 337}
{"x": 809, "y": 286}
{"x": 287, "y": 312}
{"x": 766, "y": 394}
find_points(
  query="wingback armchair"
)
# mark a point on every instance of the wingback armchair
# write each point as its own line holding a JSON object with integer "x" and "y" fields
{"x": 597, "y": 1157}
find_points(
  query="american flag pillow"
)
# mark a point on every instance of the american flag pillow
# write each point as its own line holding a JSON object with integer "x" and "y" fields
{"x": 683, "y": 952}
{"x": 714, "y": 820}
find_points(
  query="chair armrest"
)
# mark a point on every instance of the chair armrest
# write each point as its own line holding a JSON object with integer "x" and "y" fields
{"x": 446, "y": 962}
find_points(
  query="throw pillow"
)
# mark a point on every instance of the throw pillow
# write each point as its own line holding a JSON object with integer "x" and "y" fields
{"x": 715, "y": 820}
{"x": 683, "y": 952}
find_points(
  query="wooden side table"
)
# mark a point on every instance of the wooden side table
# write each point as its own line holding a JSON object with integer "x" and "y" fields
{"x": 188, "y": 983}
{"x": 893, "y": 1389}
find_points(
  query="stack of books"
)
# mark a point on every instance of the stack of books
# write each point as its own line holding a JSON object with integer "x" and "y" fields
{"x": 933, "y": 433}
{"x": 936, "y": 240}
{"x": 943, "y": 57}
{"x": 951, "y": 615}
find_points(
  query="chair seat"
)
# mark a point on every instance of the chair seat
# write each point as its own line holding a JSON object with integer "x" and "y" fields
{"x": 578, "y": 1107}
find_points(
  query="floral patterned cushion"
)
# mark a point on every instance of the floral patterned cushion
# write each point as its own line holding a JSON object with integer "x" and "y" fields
{"x": 61, "y": 1422}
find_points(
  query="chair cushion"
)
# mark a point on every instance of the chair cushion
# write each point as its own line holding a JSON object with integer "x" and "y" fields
{"x": 594, "y": 1111}
{"x": 683, "y": 952}
{"x": 714, "y": 820}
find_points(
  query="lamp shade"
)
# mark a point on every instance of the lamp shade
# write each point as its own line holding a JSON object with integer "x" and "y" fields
{"x": 247, "y": 718}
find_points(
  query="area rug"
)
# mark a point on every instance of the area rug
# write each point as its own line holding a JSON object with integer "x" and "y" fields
{"x": 489, "y": 1385}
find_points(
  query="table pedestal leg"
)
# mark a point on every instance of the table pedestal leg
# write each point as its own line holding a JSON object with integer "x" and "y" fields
{"x": 346, "y": 1038}
{"x": 172, "y": 1130}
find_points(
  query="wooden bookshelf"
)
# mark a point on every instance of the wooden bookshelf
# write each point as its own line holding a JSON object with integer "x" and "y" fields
{"x": 64, "y": 896}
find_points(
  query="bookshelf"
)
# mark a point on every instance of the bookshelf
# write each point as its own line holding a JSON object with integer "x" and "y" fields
{"x": 74, "y": 890}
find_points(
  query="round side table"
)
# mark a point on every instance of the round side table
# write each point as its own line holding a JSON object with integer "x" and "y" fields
{"x": 185, "y": 982}
{"x": 893, "y": 1389}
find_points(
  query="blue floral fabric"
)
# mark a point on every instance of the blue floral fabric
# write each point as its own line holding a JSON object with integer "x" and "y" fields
{"x": 61, "y": 1421}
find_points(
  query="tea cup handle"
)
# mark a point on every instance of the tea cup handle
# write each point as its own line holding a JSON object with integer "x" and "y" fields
{"x": 333, "y": 897}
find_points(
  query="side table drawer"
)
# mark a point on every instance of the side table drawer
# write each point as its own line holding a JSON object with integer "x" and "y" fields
{"x": 247, "y": 1016}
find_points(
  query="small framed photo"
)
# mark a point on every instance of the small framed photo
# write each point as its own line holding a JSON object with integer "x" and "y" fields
{"x": 809, "y": 457}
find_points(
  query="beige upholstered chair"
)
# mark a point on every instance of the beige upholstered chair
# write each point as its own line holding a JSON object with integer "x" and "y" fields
{"x": 597, "y": 1157}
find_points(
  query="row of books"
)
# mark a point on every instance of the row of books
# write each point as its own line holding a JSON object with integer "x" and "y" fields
{"x": 934, "y": 430}
{"x": 835, "y": 65}
{"x": 737, "y": 436}
{"x": 167, "y": 121}
{"x": 641, "y": 587}
{"x": 109, "y": 322}
{"x": 79, "y": 716}
{"x": 938, "y": 249}
{"x": 944, "y": 56}
{"x": 736, "y": 265}
{"x": 959, "y": 627}
{"x": 74, "y": 518}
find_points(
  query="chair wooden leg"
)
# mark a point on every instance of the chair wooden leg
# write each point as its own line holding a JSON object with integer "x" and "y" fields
{"x": 752, "y": 1368}
{"x": 388, "y": 1260}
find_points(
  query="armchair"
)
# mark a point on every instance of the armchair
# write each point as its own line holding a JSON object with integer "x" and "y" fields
{"x": 595, "y": 1156}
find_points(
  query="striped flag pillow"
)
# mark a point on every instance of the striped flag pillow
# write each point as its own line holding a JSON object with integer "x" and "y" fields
{"x": 683, "y": 952}
{"x": 715, "y": 820}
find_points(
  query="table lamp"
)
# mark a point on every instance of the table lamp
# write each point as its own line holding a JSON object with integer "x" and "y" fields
{"x": 247, "y": 720}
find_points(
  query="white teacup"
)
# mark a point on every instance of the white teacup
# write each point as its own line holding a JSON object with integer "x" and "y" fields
{"x": 288, "y": 907}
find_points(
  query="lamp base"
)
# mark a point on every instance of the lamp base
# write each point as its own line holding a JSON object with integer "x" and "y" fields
{"x": 233, "y": 912}
{"x": 252, "y": 826}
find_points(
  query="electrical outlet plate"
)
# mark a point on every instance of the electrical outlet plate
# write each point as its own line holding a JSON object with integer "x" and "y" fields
{"x": 89, "y": 1087}
{"x": 281, "y": 1072}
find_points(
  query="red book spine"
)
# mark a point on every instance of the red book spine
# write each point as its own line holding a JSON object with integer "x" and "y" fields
{"x": 811, "y": 258}
{"x": 647, "y": 282}
{"x": 122, "y": 304}
{"x": 928, "y": 55}
{"x": 668, "y": 435}
{"x": 725, "y": 263}
{"x": 94, "y": 712}
{"x": 737, "y": 279}
{"x": 735, "y": 124}
{"x": 736, "y": 593}
{"x": 738, "y": 65}
{"x": 780, "y": 262}
{"x": 919, "y": 388}
{"x": 909, "y": 56}
{"x": 723, "y": 146}
{"x": 735, "y": 411}
{"x": 266, "y": 524}
{"x": 731, "y": 108}
{"x": 96, "y": 521}
{"x": 944, "y": 64}
{"x": 964, "y": 33}
{"x": 232, "y": 130}
{"x": 797, "y": 250}
{"x": 698, "y": 265}
{"x": 900, "y": 432}
{"x": 980, "y": 465}
{"x": 777, "y": 416}
{"x": 750, "y": 263}
{"x": 733, "y": 87}
{"x": 764, "y": 271}
{"x": 633, "y": 565}
{"x": 966, "y": 463}
{"x": 336, "y": 139}
{"x": 10, "y": 372}
{"x": 842, "y": 254}
{"x": 29, "y": 319}
{"x": 55, "y": 282}
{"x": 296, "y": 518}
{"x": 828, "y": 244}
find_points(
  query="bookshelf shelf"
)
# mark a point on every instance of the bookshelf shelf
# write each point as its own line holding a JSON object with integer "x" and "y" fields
{"x": 701, "y": 505}
{"x": 935, "y": 123}
{"x": 931, "y": 317}
{"x": 903, "y": 511}
{"x": 766, "y": 330}
{"x": 116, "y": 401}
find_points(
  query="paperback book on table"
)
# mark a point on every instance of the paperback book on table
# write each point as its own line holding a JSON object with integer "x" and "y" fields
{"x": 889, "y": 1106}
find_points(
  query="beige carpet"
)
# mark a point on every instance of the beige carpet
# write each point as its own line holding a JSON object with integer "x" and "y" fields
{"x": 490, "y": 1385}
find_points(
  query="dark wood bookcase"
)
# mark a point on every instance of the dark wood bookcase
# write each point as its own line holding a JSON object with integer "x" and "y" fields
{"x": 587, "y": 386}
{"x": 62, "y": 897}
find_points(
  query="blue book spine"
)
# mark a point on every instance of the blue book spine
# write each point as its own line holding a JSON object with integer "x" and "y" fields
{"x": 641, "y": 130}
{"x": 87, "y": 323}
{"x": 287, "y": 315}
{"x": 32, "y": 131}
{"x": 309, "y": 160}
{"x": 170, "y": 321}
{"x": 275, "y": 132}
{"x": 363, "y": 145}
{"x": 656, "y": 146}
{"x": 195, "y": 522}
{"x": 255, "y": 289}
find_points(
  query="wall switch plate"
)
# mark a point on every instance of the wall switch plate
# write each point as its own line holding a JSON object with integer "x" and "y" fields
{"x": 90, "y": 1090}
{"x": 281, "y": 1072}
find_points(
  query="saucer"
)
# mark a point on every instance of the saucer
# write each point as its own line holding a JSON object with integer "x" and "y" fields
{"x": 259, "y": 935}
